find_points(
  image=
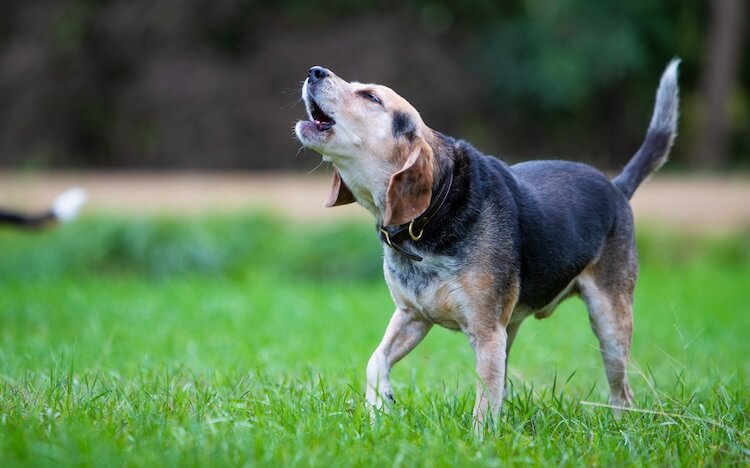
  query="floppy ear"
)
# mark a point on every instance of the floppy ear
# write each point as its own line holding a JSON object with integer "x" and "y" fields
{"x": 340, "y": 193}
{"x": 410, "y": 189}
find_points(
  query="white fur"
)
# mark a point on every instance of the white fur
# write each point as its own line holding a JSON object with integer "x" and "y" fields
{"x": 666, "y": 112}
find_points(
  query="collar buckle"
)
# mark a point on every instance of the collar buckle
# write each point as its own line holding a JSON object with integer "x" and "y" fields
{"x": 411, "y": 232}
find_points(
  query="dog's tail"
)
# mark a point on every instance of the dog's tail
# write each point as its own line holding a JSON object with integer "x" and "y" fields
{"x": 67, "y": 205}
{"x": 65, "y": 208}
{"x": 661, "y": 133}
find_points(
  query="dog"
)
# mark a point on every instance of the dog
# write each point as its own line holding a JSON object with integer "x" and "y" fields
{"x": 474, "y": 244}
{"x": 64, "y": 208}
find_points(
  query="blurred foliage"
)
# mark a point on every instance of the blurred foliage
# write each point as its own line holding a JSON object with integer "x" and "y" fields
{"x": 213, "y": 246}
{"x": 232, "y": 245}
{"x": 160, "y": 84}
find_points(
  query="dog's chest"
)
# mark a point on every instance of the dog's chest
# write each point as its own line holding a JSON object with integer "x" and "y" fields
{"x": 428, "y": 289}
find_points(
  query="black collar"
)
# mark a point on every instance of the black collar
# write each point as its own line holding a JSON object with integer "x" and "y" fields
{"x": 413, "y": 230}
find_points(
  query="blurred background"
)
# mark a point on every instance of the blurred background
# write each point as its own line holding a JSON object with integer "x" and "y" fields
{"x": 214, "y": 84}
{"x": 205, "y": 261}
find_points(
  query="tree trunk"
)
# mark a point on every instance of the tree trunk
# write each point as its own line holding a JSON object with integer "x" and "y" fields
{"x": 723, "y": 52}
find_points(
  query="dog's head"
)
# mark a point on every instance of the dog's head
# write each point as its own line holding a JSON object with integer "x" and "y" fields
{"x": 377, "y": 142}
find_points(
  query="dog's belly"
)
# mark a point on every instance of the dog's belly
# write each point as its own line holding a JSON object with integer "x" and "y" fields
{"x": 522, "y": 311}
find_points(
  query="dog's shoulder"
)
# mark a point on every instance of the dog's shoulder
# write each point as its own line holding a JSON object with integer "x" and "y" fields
{"x": 488, "y": 179}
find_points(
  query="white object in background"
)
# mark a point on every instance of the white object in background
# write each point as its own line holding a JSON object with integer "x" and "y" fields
{"x": 67, "y": 204}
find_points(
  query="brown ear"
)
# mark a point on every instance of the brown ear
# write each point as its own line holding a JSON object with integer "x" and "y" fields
{"x": 410, "y": 189}
{"x": 340, "y": 193}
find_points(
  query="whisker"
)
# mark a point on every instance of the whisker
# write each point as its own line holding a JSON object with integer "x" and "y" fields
{"x": 287, "y": 106}
{"x": 299, "y": 150}
{"x": 316, "y": 167}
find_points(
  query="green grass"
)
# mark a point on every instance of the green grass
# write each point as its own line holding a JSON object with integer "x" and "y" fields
{"x": 243, "y": 340}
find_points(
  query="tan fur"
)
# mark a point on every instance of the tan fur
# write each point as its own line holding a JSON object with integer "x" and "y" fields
{"x": 410, "y": 189}
{"x": 611, "y": 315}
{"x": 514, "y": 290}
{"x": 340, "y": 193}
{"x": 479, "y": 286}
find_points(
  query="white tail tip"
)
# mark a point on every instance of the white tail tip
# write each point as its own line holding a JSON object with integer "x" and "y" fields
{"x": 67, "y": 204}
{"x": 666, "y": 108}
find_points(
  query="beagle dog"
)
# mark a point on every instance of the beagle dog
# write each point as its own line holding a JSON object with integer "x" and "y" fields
{"x": 64, "y": 208}
{"x": 474, "y": 244}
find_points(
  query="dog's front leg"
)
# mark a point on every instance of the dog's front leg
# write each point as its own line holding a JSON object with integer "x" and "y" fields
{"x": 404, "y": 332}
{"x": 490, "y": 349}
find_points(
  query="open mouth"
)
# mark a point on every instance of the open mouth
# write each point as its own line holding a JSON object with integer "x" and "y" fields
{"x": 321, "y": 120}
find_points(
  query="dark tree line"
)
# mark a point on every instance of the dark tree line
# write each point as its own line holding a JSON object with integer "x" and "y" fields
{"x": 215, "y": 84}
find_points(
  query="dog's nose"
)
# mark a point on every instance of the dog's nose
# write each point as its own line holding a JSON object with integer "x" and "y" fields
{"x": 317, "y": 73}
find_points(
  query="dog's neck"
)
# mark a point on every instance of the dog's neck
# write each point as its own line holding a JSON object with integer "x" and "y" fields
{"x": 366, "y": 186}
{"x": 370, "y": 190}
{"x": 369, "y": 185}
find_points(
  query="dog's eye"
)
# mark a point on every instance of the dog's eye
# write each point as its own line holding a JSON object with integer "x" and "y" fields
{"x": 371, "y": 97}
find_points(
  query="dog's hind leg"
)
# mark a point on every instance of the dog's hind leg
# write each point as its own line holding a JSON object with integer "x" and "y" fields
{"x": 512, "y": 331}
{"x": 405, "y": 331}
{"x": 608, "y": 294}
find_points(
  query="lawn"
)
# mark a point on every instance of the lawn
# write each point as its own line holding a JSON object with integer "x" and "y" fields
{"x": 242, "y": 340}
